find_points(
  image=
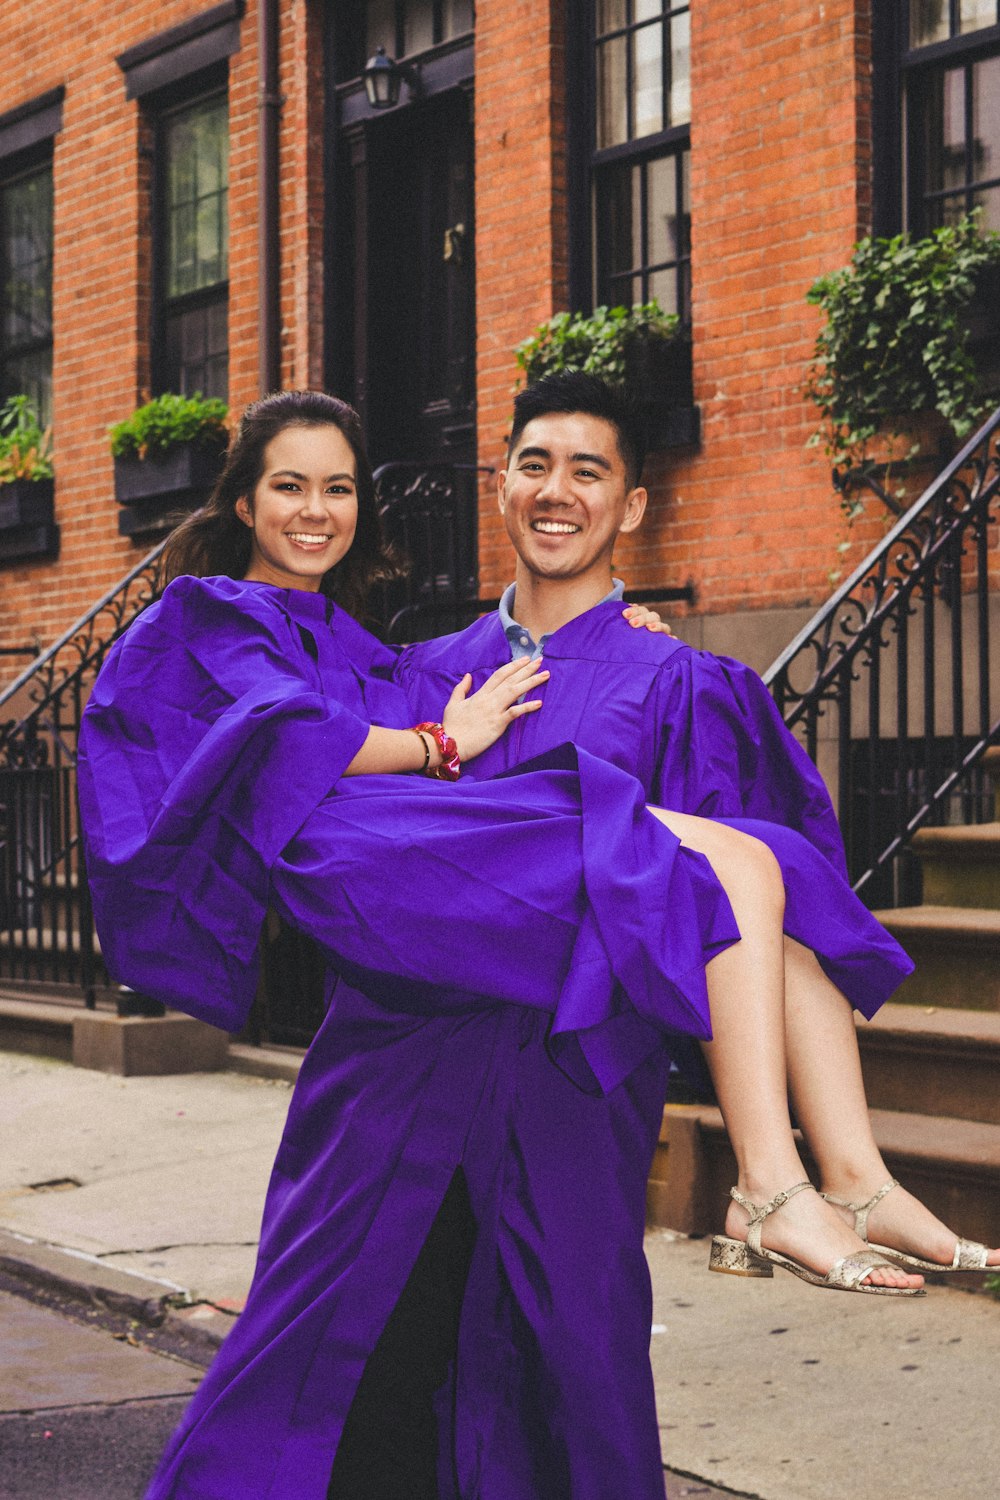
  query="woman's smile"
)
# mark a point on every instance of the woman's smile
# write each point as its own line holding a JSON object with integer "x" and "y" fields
{"x": 304, "y": 509}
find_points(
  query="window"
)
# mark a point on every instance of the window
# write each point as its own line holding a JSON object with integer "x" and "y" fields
{"x": 26, "y": 283}
{"x": 640, "y": 153}
{"x": 951, "y": 71}
{"x": 192, "y": 163}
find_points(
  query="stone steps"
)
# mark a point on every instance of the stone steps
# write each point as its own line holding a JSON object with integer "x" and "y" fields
{"x": 952, "y": 1165}
{"x": 938, "y": 1061}
{"x": 957, "y": 953}
{"x": 960, "y": 865}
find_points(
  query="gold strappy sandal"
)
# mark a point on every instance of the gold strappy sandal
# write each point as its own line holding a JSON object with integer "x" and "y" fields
{"x": 969, "y": 1254}
{"x": 734, "y": 1258}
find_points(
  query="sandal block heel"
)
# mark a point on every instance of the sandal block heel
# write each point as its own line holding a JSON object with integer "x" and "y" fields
{"x": 734, "y": 1258}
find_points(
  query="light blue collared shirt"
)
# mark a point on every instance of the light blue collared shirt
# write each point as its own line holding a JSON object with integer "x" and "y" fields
{"x": 521, "y": 643}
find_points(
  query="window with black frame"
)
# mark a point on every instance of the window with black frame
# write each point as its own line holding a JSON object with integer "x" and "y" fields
{"x": 26, "y": 287}
{"x": 951, "y": 81}
{"x": 191, "y": 333}
{"x": 641, "y": 154}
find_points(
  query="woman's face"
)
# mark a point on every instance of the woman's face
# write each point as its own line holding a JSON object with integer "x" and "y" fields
{"x": 304, "y": 511}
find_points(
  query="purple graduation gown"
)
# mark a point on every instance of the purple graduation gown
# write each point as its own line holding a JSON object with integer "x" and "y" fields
{"x": 703, "y": 736}
{"x": 530, "y": 939}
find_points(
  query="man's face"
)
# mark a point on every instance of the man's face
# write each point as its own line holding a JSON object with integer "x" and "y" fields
{"x": 564, "y": 497}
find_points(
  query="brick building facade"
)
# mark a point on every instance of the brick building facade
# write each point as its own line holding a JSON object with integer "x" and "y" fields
{"x": 728, "y": 155}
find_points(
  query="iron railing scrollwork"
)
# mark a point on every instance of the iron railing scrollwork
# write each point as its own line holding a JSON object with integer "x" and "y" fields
{"x": 46, "y": 926}
{"x": 893, "y": 685}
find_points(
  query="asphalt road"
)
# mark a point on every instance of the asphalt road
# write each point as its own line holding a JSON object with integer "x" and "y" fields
{"x": 87, "y": 1403}
{"x": 85, "y": 1408}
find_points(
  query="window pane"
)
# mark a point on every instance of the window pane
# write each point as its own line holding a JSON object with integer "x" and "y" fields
{"x": 973, "y": 15}
{"x": 380, "y": 29}
{"x": 989, "y": 200}
{"x": 418, "y": 26}
{"x": 196, "y": 350}
{"x": 620, "y": 225}
{"x": 645, "y": 10}
{"x": 663, "y": 286}
{"x": 664, "y": 228}
{"x": 947, "y": 210}
{"x": 27, "y": 259}
{"x": 182, "y": 269}
{"x": 680, "y": 69}
{"x": 928, "y": 22}
{"x": 30, "y": 374}
{"x": 456, "y": 18}
{"x": 612, "y": 121}
{"x": 197, "y": 172}
{"x": 625, "y": 291}
{"x": 986, "y": 119}
{"x": 647, "y": 77}
{"x": 946, "y": 130}
{"x": 611, "y": 15}
{"x": 211, "y": 263}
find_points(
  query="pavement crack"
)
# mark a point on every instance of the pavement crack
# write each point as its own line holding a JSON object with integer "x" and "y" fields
{"x": 181, "y": 1245}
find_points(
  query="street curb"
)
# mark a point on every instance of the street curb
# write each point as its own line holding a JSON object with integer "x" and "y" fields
{"x": 52, "y": 1276}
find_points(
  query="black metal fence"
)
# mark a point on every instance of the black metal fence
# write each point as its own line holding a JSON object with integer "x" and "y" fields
{"x": 46, "y": 928}
{"x": 895, "y": 682}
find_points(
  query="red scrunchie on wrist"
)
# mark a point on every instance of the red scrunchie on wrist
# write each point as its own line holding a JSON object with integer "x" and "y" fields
{"x": 451, "y": 766}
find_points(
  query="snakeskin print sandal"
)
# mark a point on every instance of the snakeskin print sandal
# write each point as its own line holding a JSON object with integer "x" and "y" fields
{"x": 969, "y": 1254}
{"x": 734, "y": 1258}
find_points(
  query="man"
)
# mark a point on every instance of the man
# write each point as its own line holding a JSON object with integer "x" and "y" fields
{"x": 703, "y": 737}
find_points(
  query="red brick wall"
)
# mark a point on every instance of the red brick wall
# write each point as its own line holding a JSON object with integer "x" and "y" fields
{"x": 101, "y": 276}
{"x": 780, "y": 166}
{"x": 521, "y": 227}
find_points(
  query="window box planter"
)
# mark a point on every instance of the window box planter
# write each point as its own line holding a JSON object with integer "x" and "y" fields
{"x": 27, "y": 523}
{"x": 658, "y": 373}
{"x": 154, "y": 491}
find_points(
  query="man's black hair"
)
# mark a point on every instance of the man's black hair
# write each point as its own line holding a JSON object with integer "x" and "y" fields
{"x": 576, "y": 391}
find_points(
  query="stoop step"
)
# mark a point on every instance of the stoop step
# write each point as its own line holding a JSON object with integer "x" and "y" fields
{"x": 957, "y": 953}
{"x": 933, "y": 1060}
{"x": 952, "y": 1165}
{"x": 961, "y": 865}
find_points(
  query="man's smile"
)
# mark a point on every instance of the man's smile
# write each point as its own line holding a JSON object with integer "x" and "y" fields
{"x": 554, "y": 528}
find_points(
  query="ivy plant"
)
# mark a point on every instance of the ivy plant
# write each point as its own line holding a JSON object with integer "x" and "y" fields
{"x": 25, "y": 445}
{"x": 167, "y": 421}
{"x": 894, "y": 345}
{"x": 596, "y": 342}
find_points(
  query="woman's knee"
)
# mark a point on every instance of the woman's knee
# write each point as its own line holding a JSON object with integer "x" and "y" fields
{"x": 743, "y": 864}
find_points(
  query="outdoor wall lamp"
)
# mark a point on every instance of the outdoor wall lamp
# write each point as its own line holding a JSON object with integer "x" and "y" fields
{"x": 383, "y": 77}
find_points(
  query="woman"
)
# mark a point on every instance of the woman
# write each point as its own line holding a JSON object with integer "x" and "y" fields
{"x": 237, "y": 751}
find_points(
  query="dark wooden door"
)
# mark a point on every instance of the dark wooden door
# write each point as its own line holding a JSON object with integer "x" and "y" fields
{"x": 420, "y": 315}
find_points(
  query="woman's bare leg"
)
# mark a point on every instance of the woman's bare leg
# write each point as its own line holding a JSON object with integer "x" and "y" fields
{"x": 824, "y": 1075}
{"x": 747, "y": 1056}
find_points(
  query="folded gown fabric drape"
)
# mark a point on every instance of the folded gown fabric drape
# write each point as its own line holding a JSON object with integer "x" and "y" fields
{"x": 524, "y": 953}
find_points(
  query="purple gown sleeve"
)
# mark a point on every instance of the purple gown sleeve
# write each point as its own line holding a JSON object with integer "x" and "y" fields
{"x": 727, "y": 754}
{"x": 207, "y": 742}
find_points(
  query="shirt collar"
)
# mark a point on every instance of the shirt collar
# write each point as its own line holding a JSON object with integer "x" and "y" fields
{"x": 517, "y": 635}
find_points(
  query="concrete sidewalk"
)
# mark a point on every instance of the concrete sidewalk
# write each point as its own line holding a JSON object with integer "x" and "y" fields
{"x": 144, "y": 1194}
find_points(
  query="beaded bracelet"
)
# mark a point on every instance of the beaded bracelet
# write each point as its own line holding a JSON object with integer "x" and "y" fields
{"x": 451, "y": 766}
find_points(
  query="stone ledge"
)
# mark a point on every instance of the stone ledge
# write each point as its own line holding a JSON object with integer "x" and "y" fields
{"x": 133, "y": 1045}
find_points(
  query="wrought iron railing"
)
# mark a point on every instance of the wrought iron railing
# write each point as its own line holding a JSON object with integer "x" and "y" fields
{"x": 46, "y": 927}
{"x": 893, "y": 684}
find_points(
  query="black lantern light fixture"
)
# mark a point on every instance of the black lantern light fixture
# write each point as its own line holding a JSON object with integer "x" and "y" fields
{"x": 383, "y": 76}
